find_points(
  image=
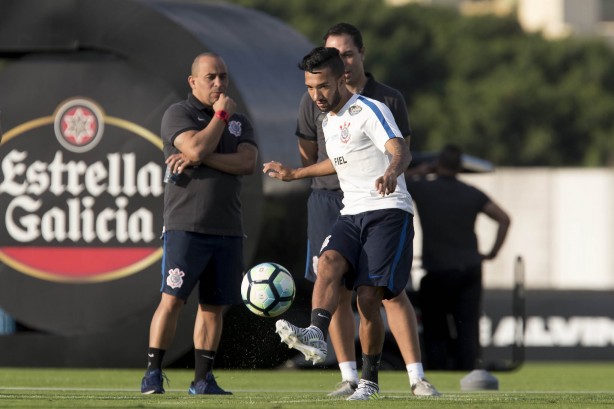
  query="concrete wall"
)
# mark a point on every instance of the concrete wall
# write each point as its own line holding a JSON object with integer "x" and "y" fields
{"x": 559, "y": 17}
{"x": 562, "y": 226}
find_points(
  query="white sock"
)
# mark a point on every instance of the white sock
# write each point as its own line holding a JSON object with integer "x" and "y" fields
{"x": 415, "y": 372}
{"x": 349, "y": 371}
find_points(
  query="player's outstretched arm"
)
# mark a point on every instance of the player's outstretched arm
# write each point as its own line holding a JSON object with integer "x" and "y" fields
{"x": 279, "y": 171}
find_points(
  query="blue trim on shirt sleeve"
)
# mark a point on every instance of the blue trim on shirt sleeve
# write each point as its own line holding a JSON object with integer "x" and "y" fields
{"x": 380, "y": 116}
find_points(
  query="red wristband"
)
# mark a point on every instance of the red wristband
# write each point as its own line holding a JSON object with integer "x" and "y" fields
{"x": 223, "y": 115}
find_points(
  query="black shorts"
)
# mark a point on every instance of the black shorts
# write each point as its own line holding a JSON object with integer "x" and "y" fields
{"x": 323, "y": 208}
{"x": 215, "y": 263}
{"x": 378, "y": 245}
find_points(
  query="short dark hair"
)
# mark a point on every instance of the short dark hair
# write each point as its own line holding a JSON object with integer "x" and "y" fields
{"x": 451, "y": 158}
{"x": 345, "y": 28}
{"x": 323, "y": 57}
{"x": 196, "y": 61}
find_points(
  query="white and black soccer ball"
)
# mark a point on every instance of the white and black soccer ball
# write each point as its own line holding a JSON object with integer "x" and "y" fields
{"x": 268, "y": 289}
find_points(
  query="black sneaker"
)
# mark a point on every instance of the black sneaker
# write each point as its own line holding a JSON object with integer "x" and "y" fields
{"x": 207, "y": 386}
{"x": 153, "y": 382}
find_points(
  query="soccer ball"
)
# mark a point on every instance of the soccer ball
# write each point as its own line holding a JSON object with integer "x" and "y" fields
{"x": 268, "y": 289}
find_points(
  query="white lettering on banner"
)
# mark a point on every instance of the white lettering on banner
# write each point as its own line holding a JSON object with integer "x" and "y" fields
{"x": 12, "y": 167}
{"x": 78, "y": 220}
{"x": 74, "y": 177}
{"x": 27, "y": 229}
{"x": 552, "y": 331}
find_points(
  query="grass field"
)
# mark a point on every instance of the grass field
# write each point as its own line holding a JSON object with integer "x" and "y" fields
{"x": 535, "y": 385}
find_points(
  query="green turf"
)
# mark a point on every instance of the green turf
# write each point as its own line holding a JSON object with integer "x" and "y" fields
{"x": 535, "y": 385}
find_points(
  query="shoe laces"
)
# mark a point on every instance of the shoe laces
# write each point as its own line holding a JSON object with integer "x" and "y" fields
{"x": 210, "y": 379}
{"x": 163, "y": 377}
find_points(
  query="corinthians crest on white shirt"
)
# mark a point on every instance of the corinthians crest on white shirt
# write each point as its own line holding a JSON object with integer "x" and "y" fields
{"x": 345, "y": 132}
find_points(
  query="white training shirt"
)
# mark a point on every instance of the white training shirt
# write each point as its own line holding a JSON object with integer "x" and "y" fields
{"x": 355, "y": 141}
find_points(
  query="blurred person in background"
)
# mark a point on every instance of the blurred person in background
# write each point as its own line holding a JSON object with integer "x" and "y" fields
{"x": 450, "y": 293}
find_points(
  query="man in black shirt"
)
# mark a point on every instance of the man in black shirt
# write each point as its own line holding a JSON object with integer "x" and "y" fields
{"x": 208, "y": 147}
{"x": 452, "y": 286}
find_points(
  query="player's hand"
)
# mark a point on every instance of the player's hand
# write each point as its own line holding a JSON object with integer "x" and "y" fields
{"x": 178, "y": 162}
{"x": 225, "y": 103}
{"x": 278, "y": 171}
{"x": 386, "y": 184}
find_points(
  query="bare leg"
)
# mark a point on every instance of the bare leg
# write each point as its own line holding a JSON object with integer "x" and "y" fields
{"x": 331, "y": 268}
{"x": 161, "y": 333}
{"x": 207, "y": 334}
{"x": 208, "y": 326}
{"x": 342, "y": 328}
{"x": 371, "y": 324}
{"x": 404, "y": 327}
{"x": 164, "y": 322}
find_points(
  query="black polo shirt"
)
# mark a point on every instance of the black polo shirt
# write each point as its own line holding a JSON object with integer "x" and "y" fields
{"x": 447, "y": 209}
{"x": 204, "y": 200}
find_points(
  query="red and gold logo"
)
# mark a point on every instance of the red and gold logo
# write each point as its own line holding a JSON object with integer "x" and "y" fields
{"x": 86, "y": 205}
{"x": 78, "y": 125}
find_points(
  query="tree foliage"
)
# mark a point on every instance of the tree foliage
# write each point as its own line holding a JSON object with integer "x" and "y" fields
{"x": 481, "y": 82}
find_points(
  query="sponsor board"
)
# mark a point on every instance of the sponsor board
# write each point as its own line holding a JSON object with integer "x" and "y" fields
{"x": 81, "y": 193}
{"x": 76, "y": 209}
{"x": 559, "y": 325}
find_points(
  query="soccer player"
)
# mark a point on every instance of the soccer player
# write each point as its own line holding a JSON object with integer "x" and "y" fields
{"x": 369, "y": 248}
{"x": 208, "y": 148}
{"x": 324, "y": 205}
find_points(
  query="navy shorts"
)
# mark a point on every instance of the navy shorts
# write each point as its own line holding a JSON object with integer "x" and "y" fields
{"x": 214, "y": 263}
{"x": 378, "y": 245}
{"x": 323, "y": 208}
